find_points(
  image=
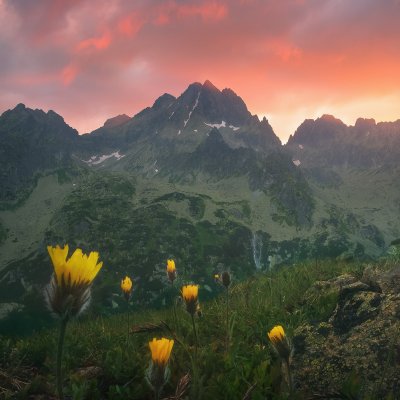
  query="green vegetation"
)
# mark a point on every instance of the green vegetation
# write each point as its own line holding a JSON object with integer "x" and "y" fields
{"x": 3, "y": 233}
{"x": 99, "y": 362}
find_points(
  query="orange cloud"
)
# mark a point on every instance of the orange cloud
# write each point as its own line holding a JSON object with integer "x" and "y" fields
{"x": 130, "y": 25}
{"x": 286, "y": 59}
{"x": 100, "y": 43}
{"x": 285, "y": 50}
{"x": 68, "y": 74}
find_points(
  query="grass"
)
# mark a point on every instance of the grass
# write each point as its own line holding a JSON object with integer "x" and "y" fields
{"x": 99, "y": 362}
{"x": 38, "y": 209}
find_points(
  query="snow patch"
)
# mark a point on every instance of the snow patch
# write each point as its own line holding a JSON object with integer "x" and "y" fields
{"x": 218, "y": 126}
{"x": 194, "y": 130}
{"x": 296, "y": 162}
{"x": 190, "y": 112}
{"x": 223, "y": 125}
{"x": 301, "y": 146}
{"x": 173, "y": 112}
{"x": 94, "y": 160}
{"x": 179, "y": 132}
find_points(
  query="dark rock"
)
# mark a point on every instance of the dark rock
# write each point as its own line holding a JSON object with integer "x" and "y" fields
{"x": 361, "y": 338}
{"x": 356, "y": 309}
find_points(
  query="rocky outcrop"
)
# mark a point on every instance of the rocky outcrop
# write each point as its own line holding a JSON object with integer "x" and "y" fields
{"x": 358, "y": 348}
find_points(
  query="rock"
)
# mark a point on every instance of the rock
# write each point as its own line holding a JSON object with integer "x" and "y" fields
{"x": 327, "y": 288}
{"x": 353, "y": 288}
{"x": 355, "y": 310}
{"x": 370, "y": 277}
{"x": 390, "y": 281}
{"x": 324, "y": 328}
{"x": 360, "y": 339}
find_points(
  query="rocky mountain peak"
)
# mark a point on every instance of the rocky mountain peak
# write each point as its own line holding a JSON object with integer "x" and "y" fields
{"x": 313, "y": 132}
{"x": 116, "y": 121}
{"x": 214, "y": 105}
{"x": 365, "y": 123}
{"x": 264, "y": 122}
{"x": 164, "y": 101}
{"x": 20, "y": 107}
{"x": 209, "y": 86}
{"x": 329, "y": 118}
{"x": 23, "y": 119}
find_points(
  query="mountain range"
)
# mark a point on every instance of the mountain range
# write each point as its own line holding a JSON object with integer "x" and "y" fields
{"x": 196, "y": 178}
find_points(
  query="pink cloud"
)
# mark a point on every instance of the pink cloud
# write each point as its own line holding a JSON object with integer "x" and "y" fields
{"x": 279, "y": 56}
{"x": 209, "y": 11}
{"x": 161, "y": 19}
{"x": 130, "y": 25}
{"x": 96, "y": 43}
{"x": 286, "y": 51}
{"x": 68, "y": 74}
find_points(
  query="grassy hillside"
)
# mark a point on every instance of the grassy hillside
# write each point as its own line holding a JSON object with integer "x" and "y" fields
{"x": 102, "y": 361}
{"x": 137, "y": 223}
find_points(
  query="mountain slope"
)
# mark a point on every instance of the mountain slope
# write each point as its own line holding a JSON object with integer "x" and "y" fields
{"x": 31, "y": 141}
{"x": 196, "y": 178}
{"x": 186, "y": 121}
{"x": 328, "y": 142}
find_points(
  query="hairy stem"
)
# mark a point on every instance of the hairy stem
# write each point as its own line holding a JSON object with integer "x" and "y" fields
{"x": 289, "y": 376}
{"x": 195, "y": 333}
{"x": 59, "y": 378}
{"x": 227, "y": 319}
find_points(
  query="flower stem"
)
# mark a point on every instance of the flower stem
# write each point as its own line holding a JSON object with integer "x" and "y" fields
{"x": 127, "y": 338}
{"x": 289, "y": 376}
{"x": 227, "y": 319}
{"x": 195, "y": 332}
{"x": 174, "y": 307}
{"x": 61, "y": 337}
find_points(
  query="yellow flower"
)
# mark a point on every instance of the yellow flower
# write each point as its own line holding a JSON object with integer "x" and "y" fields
{"x": 190, "y": 292}
{"x": 171, "y": 270}
{"x": 280, "y": 343}
{"x": 78, "y": 269}
{"x": 190, "y": 296}
{"x": 171, "y": 266}
{"x": 276, "y": 334}
{"x": 161, "y": 351}
{"x": 126, "y": 284}
{"x": 216, "y": 277}
{"x": 68, "y": 293}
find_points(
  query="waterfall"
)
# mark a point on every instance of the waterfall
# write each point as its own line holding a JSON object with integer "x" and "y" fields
{"x": 256, "y": 245}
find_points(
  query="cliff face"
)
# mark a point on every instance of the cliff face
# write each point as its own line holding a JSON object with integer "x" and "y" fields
{"x": 357, "y": 351}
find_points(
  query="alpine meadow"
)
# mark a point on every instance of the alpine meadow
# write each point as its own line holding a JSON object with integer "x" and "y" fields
{"x": 238, "y": 239}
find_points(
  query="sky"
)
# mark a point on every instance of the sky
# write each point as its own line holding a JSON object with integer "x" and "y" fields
{"x": 289, "y": 60}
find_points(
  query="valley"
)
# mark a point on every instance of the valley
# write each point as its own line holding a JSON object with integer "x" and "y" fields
{"x": 222, "y": 193}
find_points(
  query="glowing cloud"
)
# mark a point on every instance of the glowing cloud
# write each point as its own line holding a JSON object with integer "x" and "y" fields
{"x": 288, "y": 60}
{"x": 98, "y": 43}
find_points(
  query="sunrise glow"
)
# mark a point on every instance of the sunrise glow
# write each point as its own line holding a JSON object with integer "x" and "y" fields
{"x": 289, "y": 60}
